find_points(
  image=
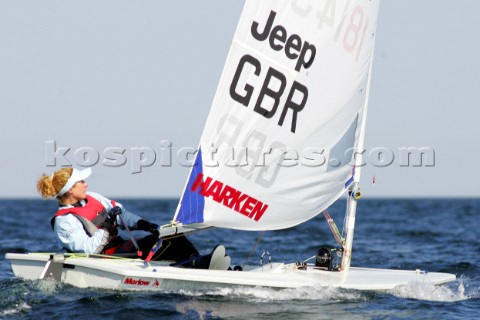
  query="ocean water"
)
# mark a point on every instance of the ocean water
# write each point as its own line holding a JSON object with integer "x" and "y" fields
{"x": 441, "y": 235}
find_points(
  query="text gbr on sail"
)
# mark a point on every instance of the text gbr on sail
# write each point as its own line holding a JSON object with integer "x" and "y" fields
{"x": 301, "y": 52}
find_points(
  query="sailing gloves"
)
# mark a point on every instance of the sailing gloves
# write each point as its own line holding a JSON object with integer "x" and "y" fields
{"x": 147, "y": 226}
{"x": 109, "y": 225}
{"x": 114, "y": 212}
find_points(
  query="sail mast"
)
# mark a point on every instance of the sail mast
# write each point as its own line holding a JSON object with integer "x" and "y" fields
{"x": 354, "y": 189}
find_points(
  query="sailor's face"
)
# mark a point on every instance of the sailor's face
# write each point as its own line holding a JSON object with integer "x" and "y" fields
{"x": 79, "y": 190}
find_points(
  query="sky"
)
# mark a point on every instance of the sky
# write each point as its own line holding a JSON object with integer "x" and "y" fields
{"x": 95, "y": 77}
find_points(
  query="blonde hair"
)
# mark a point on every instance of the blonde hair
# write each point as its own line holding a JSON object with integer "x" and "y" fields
{"x": 50, "y": 186}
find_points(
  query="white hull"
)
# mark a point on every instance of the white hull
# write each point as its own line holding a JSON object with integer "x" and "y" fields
{"x": 131, "y": 274}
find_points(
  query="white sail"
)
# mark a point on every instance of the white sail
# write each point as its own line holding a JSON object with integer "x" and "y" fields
{"x": 277, "y": 148}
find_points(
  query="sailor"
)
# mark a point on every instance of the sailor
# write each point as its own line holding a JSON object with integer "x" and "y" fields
{"x": 87, "y": 222}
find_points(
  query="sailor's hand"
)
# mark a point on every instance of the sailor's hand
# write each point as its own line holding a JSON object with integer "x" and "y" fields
{"x": 147, "y": 226}
{"x": 110, "y": 226}
{"x": 115, "y": 211}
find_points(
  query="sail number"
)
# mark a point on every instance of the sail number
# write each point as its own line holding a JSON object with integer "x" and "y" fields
{"x": 252, "y": 159}
{"x": 353, "y": 33}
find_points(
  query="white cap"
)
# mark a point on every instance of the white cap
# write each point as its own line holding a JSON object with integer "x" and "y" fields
{"x": 77, "y": 175}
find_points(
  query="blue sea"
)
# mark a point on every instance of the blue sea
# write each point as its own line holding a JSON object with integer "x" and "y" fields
{"x": 441, "y": 235}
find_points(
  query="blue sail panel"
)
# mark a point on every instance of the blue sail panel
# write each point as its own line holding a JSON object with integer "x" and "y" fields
{"x": 193, "y": 203}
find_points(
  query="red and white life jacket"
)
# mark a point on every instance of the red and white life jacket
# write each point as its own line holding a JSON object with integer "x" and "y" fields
{"x": 90, "y": 211}
{"x": 93, "y": 211}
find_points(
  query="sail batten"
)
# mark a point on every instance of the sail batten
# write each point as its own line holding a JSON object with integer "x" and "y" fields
{"x": 279, "y": 143}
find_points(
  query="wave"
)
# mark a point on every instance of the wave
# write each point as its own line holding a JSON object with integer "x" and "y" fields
{"x": 265, "y": 295}
{"x": 430, "y": 292}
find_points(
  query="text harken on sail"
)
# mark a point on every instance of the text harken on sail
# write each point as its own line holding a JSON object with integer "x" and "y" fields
{"x": 229, "y": 197}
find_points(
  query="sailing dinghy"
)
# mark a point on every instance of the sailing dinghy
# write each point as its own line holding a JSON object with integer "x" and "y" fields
{"x": 282, "y": 142}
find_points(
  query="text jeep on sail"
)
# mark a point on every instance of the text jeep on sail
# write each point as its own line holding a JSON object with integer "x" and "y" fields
{"x": 296, "y": 81}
